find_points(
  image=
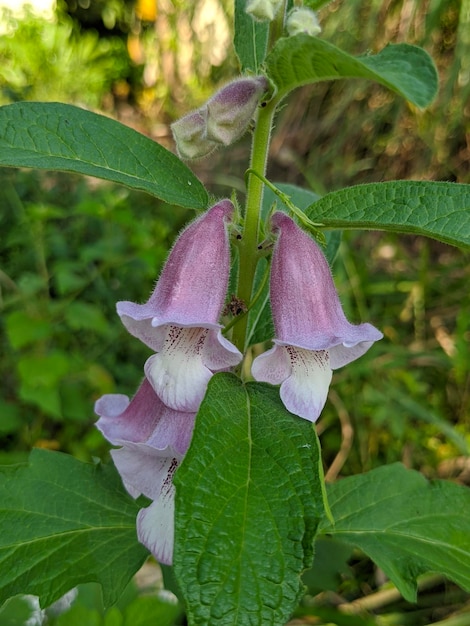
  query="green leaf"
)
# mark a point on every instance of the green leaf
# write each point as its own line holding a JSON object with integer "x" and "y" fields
{"x": 64, "y": 137}
{"x": 20, "y": 611}
{"x": 248, "y": 501}
{"x": 315, "y": 4}
{"x": 435, "y": 209}
{"x": 250, "y": 39}
{"x": 40, "y": 374}
{"x": 151, "y": 611}
{"x": 260, "y": 323}
{"x": 24, "y": 328}
{"x": 302, "y": 198}
{"x": 64, "y": 522}
{"x": 405, "y": 69}
{"x": 330, "y": 566}
{"x": 405, "y": 524}
{"x": 85, "y": 316}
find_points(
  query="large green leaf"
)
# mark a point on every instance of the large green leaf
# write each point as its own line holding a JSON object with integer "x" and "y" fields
{"x": 405, "y": 524}
{"x": 248, "y": 501}
{"x": 64, "y": 137}
{"x": 250, "y": 38}
{"x": 435, "y": 209}
{"x": 64, "y": 522}
{"x": 405, "y": 69}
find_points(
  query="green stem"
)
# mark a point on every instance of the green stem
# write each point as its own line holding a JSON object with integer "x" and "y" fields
{"x": 248, "y": 247}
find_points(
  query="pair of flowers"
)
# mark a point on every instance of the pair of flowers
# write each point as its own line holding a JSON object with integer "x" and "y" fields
{"x": 180, "y": 322}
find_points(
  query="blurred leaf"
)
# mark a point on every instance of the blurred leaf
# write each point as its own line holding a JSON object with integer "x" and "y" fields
{"x": 248, "y": 501}
{"x": 21, "y": 611}
{"x": 151, "y": 611}
{"x": 64, "y": 137}
{"x": 79, "y": 615}
{"x": 113, "y": 617}
{"x": 46, "y": 398}
{"x": 24, "y": 329}
{"x": 75, "y": 401}
{"x": 69, "y": 277}
{"x": 434, "y": 209}
{"x": 40, "y": 375}
{"x": 65, "y": 522}
{"x": 409, "y": 408}
{"x": 302, "y": 59}
{"x": 329, "y": 565}
{"x": 43, "y": 370}
{"x": 250, "y": 38}
{"x": 405, "y": 524}
{"x": 335, "y": 617}
{"x": 85, "y": 316}
{"x": 316, "y": 4}
{"x": 11, "y": 417}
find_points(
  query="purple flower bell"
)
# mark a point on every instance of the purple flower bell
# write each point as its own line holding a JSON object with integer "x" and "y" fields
{"x": 154, "y": 439}
{"x": 313, "y": 336}
{"x": 180, "y": 320}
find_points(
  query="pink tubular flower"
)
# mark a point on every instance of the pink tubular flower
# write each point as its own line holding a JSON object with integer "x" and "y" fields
{"x": 154, "y": 439}
{"x": 180, "y": 320}
{"x": 313, "y": 336}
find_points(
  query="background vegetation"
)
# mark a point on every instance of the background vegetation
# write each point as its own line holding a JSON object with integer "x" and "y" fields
{"x": 71, "y": 247}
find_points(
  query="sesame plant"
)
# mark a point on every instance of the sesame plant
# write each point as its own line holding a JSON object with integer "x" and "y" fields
{"x": 217, "y": 469}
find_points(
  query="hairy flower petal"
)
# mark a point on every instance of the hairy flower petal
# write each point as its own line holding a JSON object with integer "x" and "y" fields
{"x": 306, "y": 308}
{"x": 192, "y": 287}
{"x": 313, "y": 336}
{"x": 153, "y": 440}
{"x": 178, "y": 374}
{"x": 305, "y": 391}
{"x": 230, "y": 110}
{"x": 180, "y": 319}
{"x": 144, "y": 419}
{"x": 156, "y": 525}
{"x": 304, "y": 375}
{"x": 181, "y": 372}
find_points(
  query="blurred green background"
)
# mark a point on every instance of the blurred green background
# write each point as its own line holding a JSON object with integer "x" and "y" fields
{"x": 71, "y": 247}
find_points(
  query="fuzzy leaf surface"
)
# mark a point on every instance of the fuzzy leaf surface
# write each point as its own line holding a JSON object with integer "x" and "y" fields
{"x": 250, "y": 38}
{"x": 248, "y": 502}
{"x": 53, "y": 136}
{"x": 302, "y": 59}
{"x": 434, "y": 209}
{"x": 65, "y": 522}
{"x": 406, "y": 524}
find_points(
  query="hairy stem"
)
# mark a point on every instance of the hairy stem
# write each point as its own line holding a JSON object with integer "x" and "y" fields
{"x": 248, "y": 247}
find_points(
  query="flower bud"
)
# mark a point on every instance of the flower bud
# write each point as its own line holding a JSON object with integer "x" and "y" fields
{"x": 230, "y": 110}
{"x": 189, "y": 135}
{"x": 303, "y": 20}
{"x": 263, "y": 10}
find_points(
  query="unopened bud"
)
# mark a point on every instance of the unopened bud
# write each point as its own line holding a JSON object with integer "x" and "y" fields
{"x": 189, "y": 133}
{"x": 230, "y": 110}
{"x": 303, "y": 20}
{"x": 263, "y": 10}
